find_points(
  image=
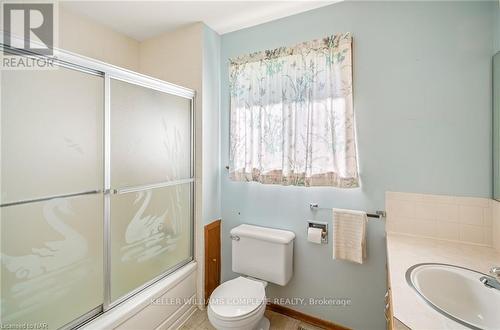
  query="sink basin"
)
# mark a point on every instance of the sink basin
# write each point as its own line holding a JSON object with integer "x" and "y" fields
{"x": 457, "y": 293}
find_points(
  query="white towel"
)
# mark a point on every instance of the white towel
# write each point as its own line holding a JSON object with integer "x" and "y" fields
{"x": 349, "y": 235}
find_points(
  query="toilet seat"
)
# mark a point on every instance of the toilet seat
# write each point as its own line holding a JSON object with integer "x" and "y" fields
{"x": 238, "y": 299}
{"x": 252, "y": 321}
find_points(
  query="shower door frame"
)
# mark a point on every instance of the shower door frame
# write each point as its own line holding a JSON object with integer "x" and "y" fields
{"x": 108, "y": 71}
{"x": 145, "y": 81}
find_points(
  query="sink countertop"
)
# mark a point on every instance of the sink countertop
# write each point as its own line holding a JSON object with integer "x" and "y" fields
{"x": 404, "y": 251}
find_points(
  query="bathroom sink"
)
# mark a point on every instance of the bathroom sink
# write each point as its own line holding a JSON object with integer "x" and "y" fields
{"x": 457, "y": 293}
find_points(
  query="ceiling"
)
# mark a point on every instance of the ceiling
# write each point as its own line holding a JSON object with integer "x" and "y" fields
{"x": 145, "y": 19}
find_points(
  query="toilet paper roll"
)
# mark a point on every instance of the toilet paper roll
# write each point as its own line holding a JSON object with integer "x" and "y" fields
{"x": 314, "y": 235}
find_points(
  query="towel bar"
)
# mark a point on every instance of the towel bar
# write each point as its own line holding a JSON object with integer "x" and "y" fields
{"x": 377, "y": 214}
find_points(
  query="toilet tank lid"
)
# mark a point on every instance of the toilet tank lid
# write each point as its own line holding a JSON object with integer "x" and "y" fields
{"x": 263, "y": 233}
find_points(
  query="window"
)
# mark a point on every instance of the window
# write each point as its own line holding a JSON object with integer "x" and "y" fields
{"x": 292, "y": 119}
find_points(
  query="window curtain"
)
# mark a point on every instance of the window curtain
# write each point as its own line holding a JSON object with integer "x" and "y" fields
{"x": 292, "y": 119}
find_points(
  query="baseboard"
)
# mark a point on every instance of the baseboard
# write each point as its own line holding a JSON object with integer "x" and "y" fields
{"x": 305, "y": 317}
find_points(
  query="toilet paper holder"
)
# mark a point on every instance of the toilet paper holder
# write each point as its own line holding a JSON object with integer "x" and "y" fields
{"x": 324, "y": 229}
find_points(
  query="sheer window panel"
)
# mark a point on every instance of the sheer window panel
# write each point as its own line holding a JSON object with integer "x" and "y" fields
{"x": 292, "y": 117}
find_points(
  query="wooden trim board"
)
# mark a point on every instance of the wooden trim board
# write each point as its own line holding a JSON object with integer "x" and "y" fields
{"x": 212, "y": 257}
{"x": 312, "y": 320}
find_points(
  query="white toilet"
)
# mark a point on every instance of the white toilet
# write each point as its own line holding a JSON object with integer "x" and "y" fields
{"x": 262, "y": 255}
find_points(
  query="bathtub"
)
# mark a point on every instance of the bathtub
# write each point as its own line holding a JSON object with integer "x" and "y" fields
{"x": 167, "y": 304}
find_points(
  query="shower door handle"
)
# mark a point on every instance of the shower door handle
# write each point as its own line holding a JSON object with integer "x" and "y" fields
{"x": 126, "y": 190}
{"x": 43, "y": 199}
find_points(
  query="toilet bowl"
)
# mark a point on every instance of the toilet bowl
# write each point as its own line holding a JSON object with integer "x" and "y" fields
{"x": 238, "y": 304}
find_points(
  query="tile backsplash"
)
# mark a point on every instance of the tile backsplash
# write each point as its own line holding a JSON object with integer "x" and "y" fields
{"x": 495, "y": 210}
{"x": 462, "y": 219}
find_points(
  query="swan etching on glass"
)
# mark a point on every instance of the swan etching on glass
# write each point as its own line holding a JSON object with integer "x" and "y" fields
{"x": 149, "y": 235}
{"x": 48, "y": 272}
{"x": 55, "y": 254}
{"x": 144, "y": 226}
{"x": 145, "y": 234}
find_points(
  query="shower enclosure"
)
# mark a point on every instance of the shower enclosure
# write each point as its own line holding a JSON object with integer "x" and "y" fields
{"x": 97, "y": 189}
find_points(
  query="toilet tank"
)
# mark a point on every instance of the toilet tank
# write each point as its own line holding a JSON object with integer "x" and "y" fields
{"x": 263, "y": 253}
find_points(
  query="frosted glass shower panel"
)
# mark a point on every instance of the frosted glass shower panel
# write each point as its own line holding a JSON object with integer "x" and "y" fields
{"x": 150, "y": 233}
{"x": 51, "y": 260}
{"x": 51, "y": 132}
{"x": 150, "y": 135}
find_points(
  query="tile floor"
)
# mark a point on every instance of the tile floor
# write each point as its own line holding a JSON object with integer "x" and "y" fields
{"x": 199, "y": 321}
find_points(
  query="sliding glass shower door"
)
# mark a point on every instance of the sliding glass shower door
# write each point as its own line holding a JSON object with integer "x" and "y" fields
{"x": 97, "y": 187}
{"x": 151, "y": 183}
{"x": 51, "y": 211}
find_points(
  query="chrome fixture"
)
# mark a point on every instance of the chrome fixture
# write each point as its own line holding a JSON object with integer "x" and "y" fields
{"x": 43, "y": 199}
{"x": 377, "y": 214}
{"x": 320, "y": 225}
{"x": 495, "y": 271}
{"x": 152, "y": 186}
{"x": 490, "y": 282}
